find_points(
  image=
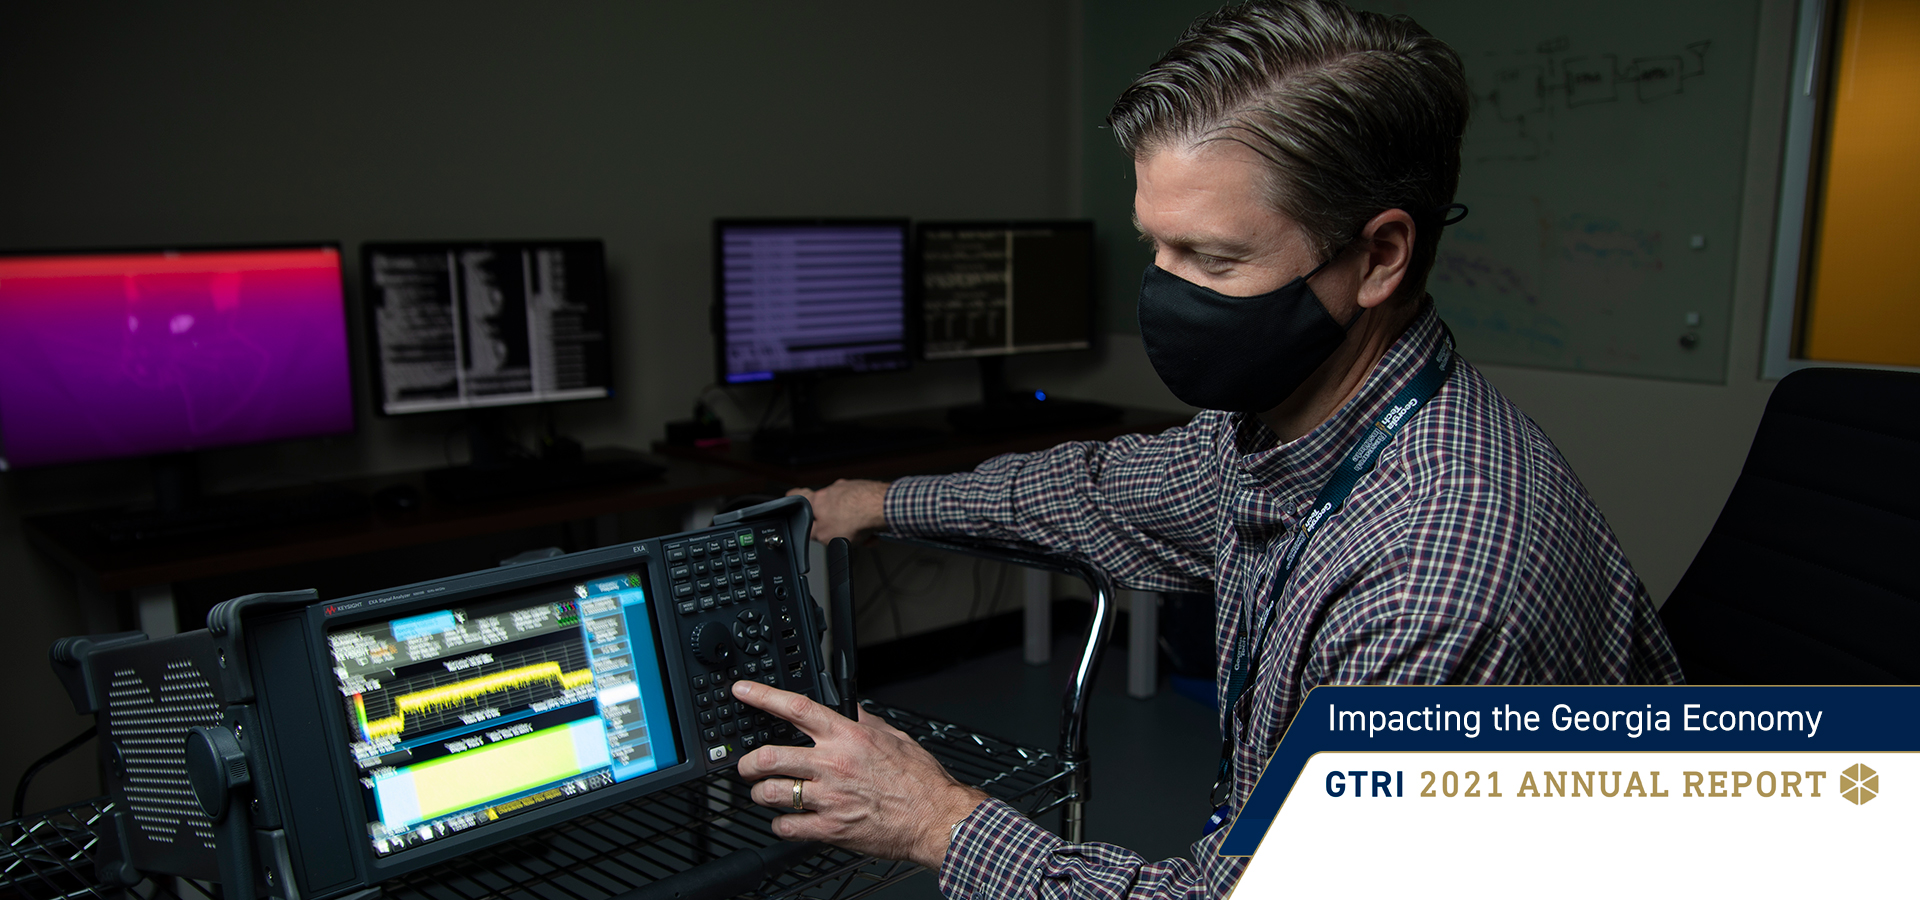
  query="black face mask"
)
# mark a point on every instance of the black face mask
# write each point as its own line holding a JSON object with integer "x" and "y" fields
{"x": 1239, "y": 354}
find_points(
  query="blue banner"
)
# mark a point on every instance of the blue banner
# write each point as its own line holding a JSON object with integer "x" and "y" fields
{"x": 1587, "y": 720}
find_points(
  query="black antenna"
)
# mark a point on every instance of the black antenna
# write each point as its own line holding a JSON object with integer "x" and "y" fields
{"x": 840, "y": 608}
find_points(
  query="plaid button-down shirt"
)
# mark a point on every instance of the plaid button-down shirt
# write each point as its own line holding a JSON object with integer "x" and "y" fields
{"x": 1470, "y": 555}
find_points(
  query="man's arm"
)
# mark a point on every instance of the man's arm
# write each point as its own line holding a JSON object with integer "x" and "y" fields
{"x": 1142, "y": 507}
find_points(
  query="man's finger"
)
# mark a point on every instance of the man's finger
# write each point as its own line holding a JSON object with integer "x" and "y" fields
{"x": 777, "y": 761}
{"x": 774, "y": 793}
{"x": 777, "y": 793}
{"x": 801, "y": 827}
{"x": 809, "y": 493}
{"x": 816, "y": 720}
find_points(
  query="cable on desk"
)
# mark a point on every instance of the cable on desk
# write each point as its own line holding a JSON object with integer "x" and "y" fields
{"x": 26, "y": 780}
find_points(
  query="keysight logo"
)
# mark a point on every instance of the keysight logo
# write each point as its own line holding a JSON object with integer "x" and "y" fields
{"x": 1859, "y": 784}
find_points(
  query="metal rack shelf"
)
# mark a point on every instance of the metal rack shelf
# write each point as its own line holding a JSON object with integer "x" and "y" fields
{"x": 48, "y": 857}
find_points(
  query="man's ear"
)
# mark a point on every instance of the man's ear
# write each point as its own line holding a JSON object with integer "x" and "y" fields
{"x": 1388, "y": 240}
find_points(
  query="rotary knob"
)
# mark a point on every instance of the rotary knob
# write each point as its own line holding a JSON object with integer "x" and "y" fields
{"x": 711, "y": 643}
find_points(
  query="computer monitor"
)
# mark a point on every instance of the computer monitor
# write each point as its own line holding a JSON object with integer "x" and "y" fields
{"x": 796, "y": 298}
{"x": 472, "y": 324}
{"x": 1003, "y": 288}
{"x": 132, "y": 353}
{"x": 988, "y": 290}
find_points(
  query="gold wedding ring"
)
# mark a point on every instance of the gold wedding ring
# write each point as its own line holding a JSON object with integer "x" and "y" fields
{"x": 798, "y": 803}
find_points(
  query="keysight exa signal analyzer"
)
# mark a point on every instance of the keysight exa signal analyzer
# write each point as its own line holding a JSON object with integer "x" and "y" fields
{"x": 308, "y": 748}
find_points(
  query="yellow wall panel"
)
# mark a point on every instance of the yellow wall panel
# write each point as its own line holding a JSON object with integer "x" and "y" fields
{"x": 1864, "y": 304}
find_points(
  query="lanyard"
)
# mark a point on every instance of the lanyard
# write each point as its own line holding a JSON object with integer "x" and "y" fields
{"x": 1356, "y": 464}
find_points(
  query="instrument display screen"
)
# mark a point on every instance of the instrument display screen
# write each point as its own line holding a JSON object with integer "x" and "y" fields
{"x": 463, "y": 716}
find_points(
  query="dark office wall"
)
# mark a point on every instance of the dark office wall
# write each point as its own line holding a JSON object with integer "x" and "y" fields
{"x": 174, "y": 123}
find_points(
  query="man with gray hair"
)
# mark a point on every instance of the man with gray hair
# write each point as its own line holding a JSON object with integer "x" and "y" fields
{"x": 1364, "y": 506}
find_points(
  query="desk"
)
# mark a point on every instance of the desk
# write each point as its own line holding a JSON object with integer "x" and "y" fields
{"x": 149, "y": 572}
{"x": 956, "y": 452}
{"x": 959, "y": 452}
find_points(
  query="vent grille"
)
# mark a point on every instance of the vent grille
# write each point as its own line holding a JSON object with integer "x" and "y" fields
{"x": 148, "y": 726}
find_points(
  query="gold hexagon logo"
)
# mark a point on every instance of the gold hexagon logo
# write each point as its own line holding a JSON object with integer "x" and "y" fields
{"x": 1859, "y": 784}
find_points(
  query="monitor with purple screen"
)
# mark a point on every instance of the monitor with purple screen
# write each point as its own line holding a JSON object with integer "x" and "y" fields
{"x": 807, "y": 297}
{"x": 142, "y": 353}
{"x": 798, "y": 299}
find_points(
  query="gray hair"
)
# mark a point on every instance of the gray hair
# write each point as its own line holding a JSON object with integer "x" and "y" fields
{"x": 1355, "y": 112}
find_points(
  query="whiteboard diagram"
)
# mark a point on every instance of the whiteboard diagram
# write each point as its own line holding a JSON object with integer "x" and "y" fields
{"x": 1603, "y": 166}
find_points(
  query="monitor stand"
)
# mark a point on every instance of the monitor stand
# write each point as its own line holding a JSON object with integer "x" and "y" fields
{"x": 498, "y": 467}
{"x": 812, "y": 439}
{"x": 1003, "y": 409}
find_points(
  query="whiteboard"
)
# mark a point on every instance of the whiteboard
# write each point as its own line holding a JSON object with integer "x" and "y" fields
{"x": 1603, "y": 166}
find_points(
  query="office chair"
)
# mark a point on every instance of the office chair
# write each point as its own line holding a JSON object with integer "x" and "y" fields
{"x": 1808, "y": 576}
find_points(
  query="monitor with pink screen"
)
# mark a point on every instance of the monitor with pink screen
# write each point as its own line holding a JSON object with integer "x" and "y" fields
{"x": 141, "y": 353}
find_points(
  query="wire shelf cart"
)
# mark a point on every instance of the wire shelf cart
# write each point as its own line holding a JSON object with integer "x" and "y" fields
{"x": 47, "y": 856}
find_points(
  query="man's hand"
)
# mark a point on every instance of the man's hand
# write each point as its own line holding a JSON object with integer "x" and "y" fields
{"x": 868, "y": 787}
{"x": 849, "y": 509}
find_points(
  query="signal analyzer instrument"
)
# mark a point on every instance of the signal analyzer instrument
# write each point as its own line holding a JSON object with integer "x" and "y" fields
{"x": 309, "y": 749}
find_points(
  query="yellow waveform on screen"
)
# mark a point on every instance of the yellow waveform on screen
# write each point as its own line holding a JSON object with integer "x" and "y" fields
{"x": 447, "y": 696}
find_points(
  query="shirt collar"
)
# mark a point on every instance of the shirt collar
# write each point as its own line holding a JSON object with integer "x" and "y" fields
{"x": 1285, "y": 476}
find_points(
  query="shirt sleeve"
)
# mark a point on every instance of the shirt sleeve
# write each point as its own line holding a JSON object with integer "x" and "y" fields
{"x": 1142, "y": 507}
{"x": 998, "y": 853}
